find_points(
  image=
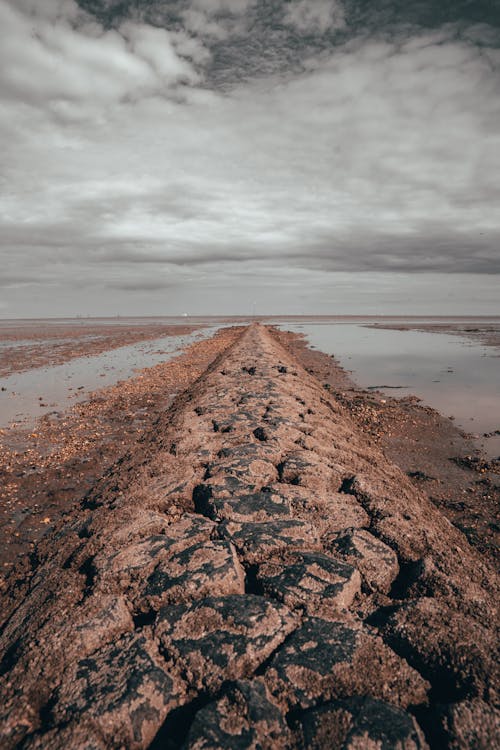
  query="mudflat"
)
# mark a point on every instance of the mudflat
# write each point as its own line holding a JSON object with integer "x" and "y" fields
{"x": 240, "y": 548}
{"x": 28, "y": 344}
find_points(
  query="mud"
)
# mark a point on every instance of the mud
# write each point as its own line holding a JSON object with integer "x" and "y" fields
{"x": 27, "y": 345}
{"x": 46, "y": 470}
{"x": 254, "y": 572}
{"x": 485, "y": 330}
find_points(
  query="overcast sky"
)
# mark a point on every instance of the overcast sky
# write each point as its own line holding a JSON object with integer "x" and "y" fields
{"x": 221, "y": 156}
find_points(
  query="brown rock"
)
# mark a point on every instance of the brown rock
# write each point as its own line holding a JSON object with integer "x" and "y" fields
{"x": 324, "y": 660}
{"x": 312, "y": 581}
{"x": 377, "y": 563}
{"x": 451, "y": 649}
{"x": 124, "y": 690}
{"x": 470, "y": 725}
{"x": 210, "y": 568}
{"x": 243, "y": 718}
{"x": 221, "y": 638}
{"x": 235, "y": 504}
{"x": 360, "y": 724}
{"x": 257, "y": 542}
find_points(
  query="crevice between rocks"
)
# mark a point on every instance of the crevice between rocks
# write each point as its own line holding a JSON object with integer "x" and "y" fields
{"x": 175, "y": 729}
{"x": 88, "y": 569}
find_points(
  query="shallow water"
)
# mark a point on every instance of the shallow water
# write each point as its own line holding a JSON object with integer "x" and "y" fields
{"x": 46, "y": 389}
{"x": 454, "y": 375}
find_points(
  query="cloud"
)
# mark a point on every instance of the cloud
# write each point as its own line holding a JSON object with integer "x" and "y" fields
{"x": 217, "y": 7}
{"x": 52, "y": 53}
{"x": 126, "y": 167}
{"x": 217, "y": 19}
{"x": 315, "y": 16}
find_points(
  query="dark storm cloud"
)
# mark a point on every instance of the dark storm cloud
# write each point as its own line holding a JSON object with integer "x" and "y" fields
{"x": 263, "y": 37}
{"x": 149, "y": 145}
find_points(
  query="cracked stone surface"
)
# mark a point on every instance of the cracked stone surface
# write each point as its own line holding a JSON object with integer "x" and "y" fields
{"x": 255, "y": 574}
{"x": 377, "y": 563}
{"x": 360, "y": 723}
{"x": 221, "y": 638}
{"x": 243, "y": 718}
{"x": 323, "y": 660}
{"x": 312, "y": 581}
{"x": 256, "y": 542}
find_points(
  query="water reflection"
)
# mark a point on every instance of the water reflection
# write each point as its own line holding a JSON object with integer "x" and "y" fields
{"x": 46, "y": 389}
{"x": 457, "y": 377}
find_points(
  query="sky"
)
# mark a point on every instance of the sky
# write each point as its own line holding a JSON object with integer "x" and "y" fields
{"x": 241, "y": 156}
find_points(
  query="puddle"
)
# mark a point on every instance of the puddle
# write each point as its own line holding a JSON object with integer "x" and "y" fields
{"x": 42, "y": 390}
{"x": 457, "y": 377}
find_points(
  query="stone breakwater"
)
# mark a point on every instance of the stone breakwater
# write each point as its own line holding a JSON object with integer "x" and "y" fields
{"x": 255, "y": 574}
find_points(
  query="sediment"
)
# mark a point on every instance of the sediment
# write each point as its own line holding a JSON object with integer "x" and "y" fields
{"x": 255, "y": 574}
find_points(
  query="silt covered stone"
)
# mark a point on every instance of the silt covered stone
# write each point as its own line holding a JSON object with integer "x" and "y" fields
{"x": 257, "y": 542}
{"x": 377, "y": 563}
{"x": 360, "y": 724}
{"x": 242, "y": 719}
{"x": 124, "y": 690}
{"x": 221, "y": 638}
{"x": 324, "y": 660}
{"x": 313, "y": 581}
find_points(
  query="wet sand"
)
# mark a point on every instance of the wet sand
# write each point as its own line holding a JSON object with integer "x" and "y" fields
{"x": 46, "y": 470}
{"x": 29, "y": 344}
{"x": 275, "y": 526}
{"x": 485, "y": 331}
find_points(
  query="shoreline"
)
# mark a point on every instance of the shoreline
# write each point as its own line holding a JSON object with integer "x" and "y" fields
{"x": 85, "y": 337}
{"x": 72, "y": 341}
{"x": 254, "y": 546}
{"x": 48, "y": 469}
{"x": 487, "y": 335}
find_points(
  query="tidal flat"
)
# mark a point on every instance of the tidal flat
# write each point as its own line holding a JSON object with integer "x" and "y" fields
{"x": 200, "y": 536}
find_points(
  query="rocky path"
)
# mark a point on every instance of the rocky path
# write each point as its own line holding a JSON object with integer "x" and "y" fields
{"x": 255, "y": 575}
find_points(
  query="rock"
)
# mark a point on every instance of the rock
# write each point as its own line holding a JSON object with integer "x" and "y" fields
{"x": 324, "y": 660}
{"x": 329, "y": 511}
{"x": 256, "y": 542}
{"x": 74, "y": 633}
{"x": 138, "y": 559}
{"x": 221, "y": 638}
{"x": 254, "y": 463}
{"x": 125, "y": 690}
{"x": 255, "y": 506}
{"x": 132, "y": 615}
{"x": 305, "y": 468}
{"x": 360, "y": 724}
{"x": 315, "y": 582}
{"x": 377, "y": 563}
{"x": 210, "y": 568}
{"x": 470, "y": 724}
{"x": 82, "y": 735}
{"x": 451, "y": 649}
{"x": 243, "y": 719}
{"x": 343, "y": 512}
